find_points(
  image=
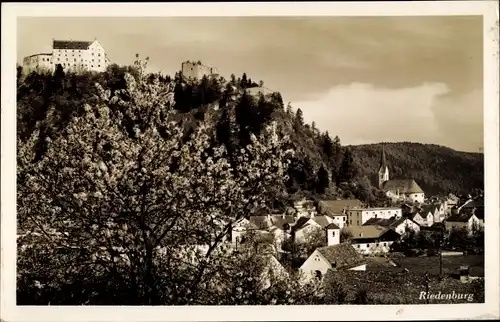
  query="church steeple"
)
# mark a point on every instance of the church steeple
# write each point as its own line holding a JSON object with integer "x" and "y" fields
{"x": 383, "y": 162}
{"x": 383, "y": 171}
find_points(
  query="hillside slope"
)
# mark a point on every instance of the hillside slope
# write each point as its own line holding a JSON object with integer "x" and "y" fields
{"x": 437, "y": 169}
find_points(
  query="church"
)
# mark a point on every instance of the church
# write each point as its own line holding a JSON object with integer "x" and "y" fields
{"x": 401, "y": 189}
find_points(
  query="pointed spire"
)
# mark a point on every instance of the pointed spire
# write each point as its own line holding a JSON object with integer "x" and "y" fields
{"x": 383, "y": 162}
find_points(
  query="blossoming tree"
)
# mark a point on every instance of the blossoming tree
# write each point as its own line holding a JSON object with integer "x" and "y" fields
{"x": 121, "y": 195}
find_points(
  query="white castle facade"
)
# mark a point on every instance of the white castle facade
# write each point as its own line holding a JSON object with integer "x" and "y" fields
{"x": 75, "y": 56}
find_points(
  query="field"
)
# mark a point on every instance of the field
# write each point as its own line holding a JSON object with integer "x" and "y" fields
{"x": 401, "y": 288}
{"x": 451, "y": 264}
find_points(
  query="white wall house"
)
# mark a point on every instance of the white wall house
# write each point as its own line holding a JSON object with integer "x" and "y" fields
{"x": 401, "y": 225}
{"x": 332, "y": 234}
{"x": 371, "y": 240}
{"x": 423, "y": 219}
{"x": 340, "y": 220}
{"x": 336, "y": 257}
{"x": 468, "y": 221}
{"x": 357, "y": 217}
{"x": 404, "y": 189}
{"x": 303, "y": 228}
{"x": 405, "y": 225}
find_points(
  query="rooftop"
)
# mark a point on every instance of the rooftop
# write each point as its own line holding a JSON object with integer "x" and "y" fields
{"x": 367, "y": 232}
{"x": 337, "y": 206}
{"x": 342, "y": 256}
{"x": 402, "y": 185}
{"x": 71, "y": 44}
{"x": 463, "y": 216}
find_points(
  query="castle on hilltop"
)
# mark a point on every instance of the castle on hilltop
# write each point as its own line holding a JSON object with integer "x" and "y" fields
{"x": 196, "y": 70}
{"x": 402, "y": 189}
{"x": 75, "y": 56}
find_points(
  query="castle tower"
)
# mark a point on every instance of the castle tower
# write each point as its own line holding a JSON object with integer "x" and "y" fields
{"x": 383, "y": 171}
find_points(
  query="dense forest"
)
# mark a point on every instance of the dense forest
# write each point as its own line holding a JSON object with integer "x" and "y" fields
{"x": 437, "y": 169}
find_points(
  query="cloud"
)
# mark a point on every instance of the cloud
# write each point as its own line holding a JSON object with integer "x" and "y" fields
{"x": 363, "y": 113}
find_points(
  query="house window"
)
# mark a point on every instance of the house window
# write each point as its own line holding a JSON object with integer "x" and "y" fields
{"x": 385, "y": 244}
{"x": 75, "y": 59}
{"x": 333, "y": 233}
{"x": 98, "y": 54}
{"x": 98, "y": 65}
{"x": 359, "y": 246}
{"x": 318, "y": 274}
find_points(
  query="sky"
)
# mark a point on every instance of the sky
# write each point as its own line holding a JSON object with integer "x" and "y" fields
{"x": 365, "y": 79}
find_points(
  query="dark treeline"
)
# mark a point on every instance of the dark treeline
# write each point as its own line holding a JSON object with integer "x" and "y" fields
{"x": 437, "y": 169}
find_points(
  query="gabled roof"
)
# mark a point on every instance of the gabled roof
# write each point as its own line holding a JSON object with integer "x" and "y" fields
{"x": 399, "y": 221}
{"x": 383, "y": 162}
{"x": 342, "y": 256}
{"x": 461, "y": 217}
{"x": 70, "y": 44}
{"x": 282, "y": 220}
{"x": 323, "y": 221}
{"x": 362, "y": 232}
{"x": 337, "y": 206}
{"x": 379, "y": 222}
{"x": 332, "y": 226}
{"x": 301, "y": 223}
{"x": 428, "y": 208}
{"x": 403, "y": 185}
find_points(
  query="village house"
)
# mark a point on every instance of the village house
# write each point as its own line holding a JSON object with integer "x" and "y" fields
{"x": 451, "y": 201}
{"x": 302, "y": 228}
{"x": 340, "y": 220}
{"x": 336, "y": 257}
{"x": 401, "y": 225}
{"x": 433, "y": 210}
{"x": 466, "y": 219}
{"x": 424, "y": 220}
{"x": 337, "y": 207}
{"x": 358, "y": 216}
{"x": 370, "y": 240}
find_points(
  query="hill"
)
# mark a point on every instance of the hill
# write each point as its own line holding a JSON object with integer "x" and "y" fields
{"x": 437, "y": 169}
{"x": 235, "y": 108}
